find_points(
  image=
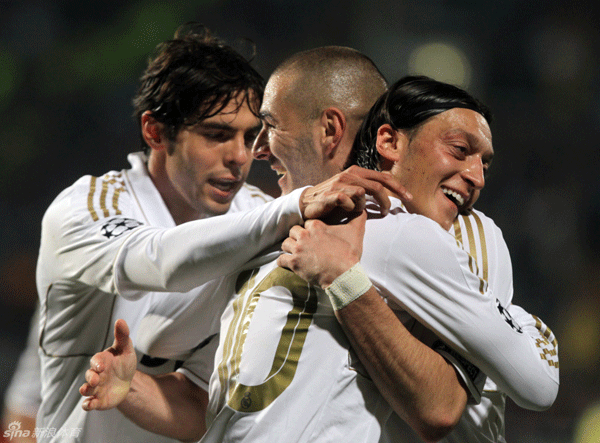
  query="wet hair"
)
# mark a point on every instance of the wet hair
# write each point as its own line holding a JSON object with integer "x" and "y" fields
{"x": 406, "y": 105}
{"x": 193, "y": 77}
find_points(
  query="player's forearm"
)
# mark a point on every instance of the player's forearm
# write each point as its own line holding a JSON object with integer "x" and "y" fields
{"x": 169, "y": 405}
{"x": 422, "y": 387}
{"x": 434, "y": 283}
{"x": 515, "y": 359}
{"x": 184, "y": 257}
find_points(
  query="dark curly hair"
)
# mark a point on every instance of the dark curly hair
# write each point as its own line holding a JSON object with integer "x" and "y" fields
{"x": 406, "y": 105}
{"x": 193, "y": 77}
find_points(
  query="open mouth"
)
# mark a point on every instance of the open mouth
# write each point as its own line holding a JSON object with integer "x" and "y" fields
{"x": 458, "y": 199}
{"x": 224, "y": 185}
{"x": 277, "y": 167}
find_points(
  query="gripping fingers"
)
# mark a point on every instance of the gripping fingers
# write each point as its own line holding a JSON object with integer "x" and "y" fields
{"x": 295, "y": 232}
{"x": 288, "y": 245}
{"x": 283, "y": 261}
{"x": 375, "y": 183}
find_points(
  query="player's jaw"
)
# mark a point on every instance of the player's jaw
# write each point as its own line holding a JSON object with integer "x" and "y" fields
{"x": 454, "y": 197}
{"x": 449, "y": 202}
{"x": 283, "y": 181}
{"x": 263, "y": 152}
{"x": 442, "y": 201}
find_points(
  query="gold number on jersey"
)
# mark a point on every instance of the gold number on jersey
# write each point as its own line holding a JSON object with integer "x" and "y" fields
{"x": 245, "y": 398}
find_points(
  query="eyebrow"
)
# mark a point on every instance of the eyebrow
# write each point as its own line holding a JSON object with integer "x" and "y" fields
{"x": 264, "y": 115}
{"x": 215, "y": 125}
{"x": 226, "y": 126}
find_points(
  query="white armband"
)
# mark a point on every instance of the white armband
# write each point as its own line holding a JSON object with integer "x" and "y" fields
{"x": 348, "y": 287}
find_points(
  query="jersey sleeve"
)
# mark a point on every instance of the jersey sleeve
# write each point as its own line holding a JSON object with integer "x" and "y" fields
{"x": 473, "y": 378}
{"x": 81, "y": 237}
{"x": 181, "y": 258}
{"x": 199, "y": 366}
{"x": 108, "y": 247}
{"x": 432, "y": 279}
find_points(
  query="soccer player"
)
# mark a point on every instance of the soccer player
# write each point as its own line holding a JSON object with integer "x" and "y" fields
{"x": 436, "y": 141}
{"x": 283, "y": 368}
{"x": 111, "y": 244}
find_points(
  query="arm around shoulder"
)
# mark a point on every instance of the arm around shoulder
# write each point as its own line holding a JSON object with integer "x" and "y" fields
{"x": 435, "y": 282}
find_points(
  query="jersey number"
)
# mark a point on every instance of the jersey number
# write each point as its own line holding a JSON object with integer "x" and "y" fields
{"x": 245, "y": 398}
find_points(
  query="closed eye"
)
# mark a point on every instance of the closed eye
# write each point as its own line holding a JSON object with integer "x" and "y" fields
{"x": 218, "y": 136}
{"x": 267, "y": 119}
{"x": 461, "y": 150}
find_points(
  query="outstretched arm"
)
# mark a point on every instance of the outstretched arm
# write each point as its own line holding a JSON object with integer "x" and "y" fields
{"x": 431, "y": 401}
{"x": 168, "y": 404}
{"x": 182, "y": 258}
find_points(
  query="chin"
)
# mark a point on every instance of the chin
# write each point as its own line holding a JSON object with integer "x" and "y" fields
{"x": 216, "y": 209}
{"x": 285, "y": 188}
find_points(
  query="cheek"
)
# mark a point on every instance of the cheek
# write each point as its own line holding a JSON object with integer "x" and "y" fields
{"x": 476, "y": 195}
{"x": 205, "y": 159}
{"x": 279, "y": 144}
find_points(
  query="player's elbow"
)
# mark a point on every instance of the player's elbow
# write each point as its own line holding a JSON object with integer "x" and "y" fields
{"x": 435, "y": 431}
{"x": 438, "y": 423}
{"x": 192, "y": 435}
{"x": 539, "y": 399}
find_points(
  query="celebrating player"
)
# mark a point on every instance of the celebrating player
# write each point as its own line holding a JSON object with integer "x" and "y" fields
{"x": 110, "y": 244}
{"x": 281, "y": 348}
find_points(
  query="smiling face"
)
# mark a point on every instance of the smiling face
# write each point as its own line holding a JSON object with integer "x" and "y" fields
{"x": 443, "y": 164}
{"x": 288, "y": 141}
{"x": 199, "y": 173}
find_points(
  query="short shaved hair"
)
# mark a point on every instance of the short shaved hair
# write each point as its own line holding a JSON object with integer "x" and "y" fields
{"x": 332, "y": 76}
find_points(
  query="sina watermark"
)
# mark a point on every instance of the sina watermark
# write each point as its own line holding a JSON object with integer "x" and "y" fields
{"x": 14, "y": 431}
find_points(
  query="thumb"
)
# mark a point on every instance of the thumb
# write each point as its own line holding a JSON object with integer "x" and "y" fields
{"x": 121, "y": 335}
{"x": 358, "y": 222}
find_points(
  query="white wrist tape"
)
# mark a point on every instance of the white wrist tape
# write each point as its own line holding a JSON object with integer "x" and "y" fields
{"x": 348, "y": 287}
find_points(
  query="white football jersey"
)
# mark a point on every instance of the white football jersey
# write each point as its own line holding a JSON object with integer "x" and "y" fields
{"x": 113, "y": 235}
{"x": 483, "y": 419}
{"x": 284, "y": 370}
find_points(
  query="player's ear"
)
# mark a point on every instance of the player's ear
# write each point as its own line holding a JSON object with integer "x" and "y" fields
{"x": 333, "y": 128}
{"x": 391, "y": 145}
{"x": 153, "y": 131}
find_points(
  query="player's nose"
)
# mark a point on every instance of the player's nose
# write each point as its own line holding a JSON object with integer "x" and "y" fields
{"x": 260, "y": 148}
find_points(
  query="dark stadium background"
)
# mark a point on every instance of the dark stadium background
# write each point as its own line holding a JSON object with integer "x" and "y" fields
{"x": 68, "y": 70}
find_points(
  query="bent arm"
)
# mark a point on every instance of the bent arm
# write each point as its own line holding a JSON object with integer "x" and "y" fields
{"x": 422, "y": 387}
{"x": 169, "y": 405}
{"x": 420, "y": 269}
{"x": 434, "y": 283}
